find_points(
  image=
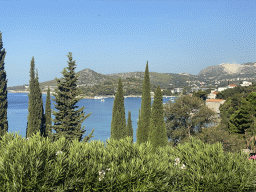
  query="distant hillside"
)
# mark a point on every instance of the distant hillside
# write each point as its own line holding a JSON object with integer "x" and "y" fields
{"x": 90, "y": 78}
{"x": 92, "y": 82}
{"x": 87, "y": 77}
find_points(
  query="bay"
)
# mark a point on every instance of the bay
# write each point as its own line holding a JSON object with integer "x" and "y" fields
{"x": 99, "y": 120}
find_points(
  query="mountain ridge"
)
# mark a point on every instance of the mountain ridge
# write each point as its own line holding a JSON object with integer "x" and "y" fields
{"x": 221, "y": 72}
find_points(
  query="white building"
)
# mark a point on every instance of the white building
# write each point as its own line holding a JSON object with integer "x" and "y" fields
{"x": 232, "y": 86}
{"x": 178, "y": 90}
{"x": 246, "y": 83}
{"x": 222, "y": 88}
{"x": 212, "y": 95}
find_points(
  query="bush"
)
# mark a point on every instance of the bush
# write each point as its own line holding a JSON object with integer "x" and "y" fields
{"x": 230, "y": 142}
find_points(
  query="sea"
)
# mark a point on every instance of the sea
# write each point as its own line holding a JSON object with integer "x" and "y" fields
{"x": 99, "y": 120}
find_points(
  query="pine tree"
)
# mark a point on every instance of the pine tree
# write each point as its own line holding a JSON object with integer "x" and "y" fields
{"x": 158, "y": 132}
{"x": 129, "y": 130}
{"x": 118, "y": 121}
{"x": 241, "y": 119}
{"x": 48, "y": 119}
{"x": 35, "y": 104}
{"x": 143, "y": 125}
{"x": 67, "y": 121}
{"x": 3, "y": 92}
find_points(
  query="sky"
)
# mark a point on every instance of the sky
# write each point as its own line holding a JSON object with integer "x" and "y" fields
{"x": 114, "y": 36}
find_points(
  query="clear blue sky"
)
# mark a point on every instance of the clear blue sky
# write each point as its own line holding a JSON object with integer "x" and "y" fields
{"x": 114, "y": 36}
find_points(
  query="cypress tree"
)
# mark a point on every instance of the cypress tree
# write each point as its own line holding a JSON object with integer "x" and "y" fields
{"x": 35, "y": 104}
{"x": 158, "y": 132}
{"x": 113, "y": 122}
{"x": 129, "y": 130}
{"x": 138, "y": 121}
{"x": 48, "y": 119}
{"x": 143, "y": 125}
{"x": 40, "y": 107}
{"x": 67, "y": 121}
{"x": 118, "y": 117}
{"x": 3, "y": 92}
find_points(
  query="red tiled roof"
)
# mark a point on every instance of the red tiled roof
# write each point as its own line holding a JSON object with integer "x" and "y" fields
{"x": 215, "y": 92}
{"x": 214, "y": 100}
{"x": 232, "y": 85}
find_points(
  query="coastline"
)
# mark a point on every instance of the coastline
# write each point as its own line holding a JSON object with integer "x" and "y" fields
{"x": 87, "y": 97}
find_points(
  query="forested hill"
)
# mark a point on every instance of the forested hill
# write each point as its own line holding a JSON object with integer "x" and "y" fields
{"x": 89, "y": 79}
{"x": 214, "y": 76}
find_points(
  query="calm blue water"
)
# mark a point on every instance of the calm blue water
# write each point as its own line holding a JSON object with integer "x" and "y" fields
{"x": 100, "y": 119}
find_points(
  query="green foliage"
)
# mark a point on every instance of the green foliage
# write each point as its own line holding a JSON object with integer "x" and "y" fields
{"x": 118, "y": 124}
{"x": 201, "y": 94}
{"x": 40, "y": 107}
{"x": 3, "y": 92}
{"x": 48, "y": 119}
{"x": 241, "y": 119}
{"x": 231, "y": 142}
{"x": 224, "y": 119}
{"x": 129, "y": 130}
{"x": 227, "y": 93}
{"x": 157, "y": 127}
{"x": 35, "y": 109}
{"x": 208, "y": 168}
{"x": 231, "y": 105}
{"x": 183, "y": 116}
{"x": 145, "y": 113}
{"x": 252, "y": 99}
{"x": 131, "y": 167}
{"x": 67, "y": 121}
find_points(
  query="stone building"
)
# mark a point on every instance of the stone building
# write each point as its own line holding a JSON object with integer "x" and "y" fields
{"x": 214, "y": 104}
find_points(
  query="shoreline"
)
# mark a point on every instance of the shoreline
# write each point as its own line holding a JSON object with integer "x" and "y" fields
{"x": 88, "y": 97}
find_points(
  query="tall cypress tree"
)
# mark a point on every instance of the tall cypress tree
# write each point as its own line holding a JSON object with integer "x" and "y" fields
{"x": 3, "y": 92}
{"x": 158, "y": 132}
{"x": 67, "y": 121}
{"x": 118, "y": 117}
{"x": 129, "y": 130}
{"x": 48, "y": 119}
{"x": 35, "y": 103}
{"x": 138, "y": 121}
{"x": 143, "y": 125}
{"x": 40, "y": 107}
{"x": 113, "y": 134}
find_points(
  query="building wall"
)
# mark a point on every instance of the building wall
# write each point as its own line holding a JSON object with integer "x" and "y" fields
{"x": 215, "y": 106}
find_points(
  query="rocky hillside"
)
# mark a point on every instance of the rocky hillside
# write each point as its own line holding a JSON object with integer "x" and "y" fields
{"x": 225, "y": 70}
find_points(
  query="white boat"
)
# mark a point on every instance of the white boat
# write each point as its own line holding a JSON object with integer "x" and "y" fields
{"x": 102, "y": 100}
